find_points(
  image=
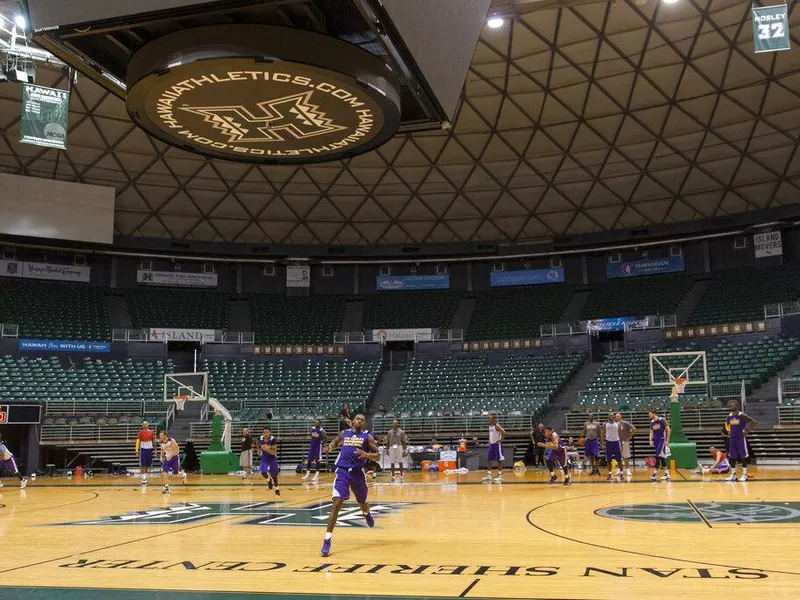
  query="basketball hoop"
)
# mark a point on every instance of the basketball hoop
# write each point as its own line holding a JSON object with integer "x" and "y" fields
{"x": 180, "y": 401}
{"x": 678, "y": 385}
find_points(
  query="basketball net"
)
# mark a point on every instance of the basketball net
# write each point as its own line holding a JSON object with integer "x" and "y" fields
{"x": 678, "y": 385}
{"x": 180, "y": 401}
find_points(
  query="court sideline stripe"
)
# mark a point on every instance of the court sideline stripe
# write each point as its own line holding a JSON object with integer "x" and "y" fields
{"x": 141, "y": 539}
{"x": 699, "y": 514}
{"x": 469, "y": 587}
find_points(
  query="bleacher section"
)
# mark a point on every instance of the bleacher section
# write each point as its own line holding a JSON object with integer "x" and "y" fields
{"x": 639, "y": 296}
{"x": 740, "y": 295}
{"x": 314, "y": 389}
{"x": 623, "y": 382}
{"x": 520, "y": 384}
{"x": 517, "y": 313}
{"x": 409, "y": 310}
{"x": 178, "y": 308}
{"x": 55, "y": 311}
{"x": 295, "y": 320}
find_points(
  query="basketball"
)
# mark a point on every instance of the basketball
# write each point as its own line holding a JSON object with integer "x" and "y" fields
{"x": 582, "y": 442}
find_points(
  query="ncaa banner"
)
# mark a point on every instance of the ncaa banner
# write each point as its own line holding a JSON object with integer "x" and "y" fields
{"x": 614, "y": 324}
{"x": 298, "y": 276}
{"x": 645, "y": 266}
{"x": 385, "y": 283}
{"x": 45, "y": 116}
{"x": 526, "y": 277}
{"x": 163, "y": 334}
{"x": 36, "y": 270}
{"x": 770, "y": 28}
{"x": 63, "y": 346}
{"x": 767, "y": 244}
{"x": 176, "y": 278}
{"x": 403, "y": 335}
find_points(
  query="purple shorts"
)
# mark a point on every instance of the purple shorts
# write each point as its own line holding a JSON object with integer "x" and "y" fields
{"x": 737, "y": 449}
{"x": 145, "y": 457}
{"x": 9, "y": 465}
{"x": 269, "y": 464}
{"x": 173, "y": 465}
{"x": 613, "y": 451}
{"x": 314, "y": 454}
{"x": 592, "y": 448}
{"x": 346, "y": 480}
{"x": 495, "y": 453}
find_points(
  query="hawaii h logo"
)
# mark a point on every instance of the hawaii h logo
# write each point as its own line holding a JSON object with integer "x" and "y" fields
{"x": 256, "y": 513}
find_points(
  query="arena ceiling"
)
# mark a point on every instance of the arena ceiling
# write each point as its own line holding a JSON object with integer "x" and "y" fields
{"x": 575, "y": 118}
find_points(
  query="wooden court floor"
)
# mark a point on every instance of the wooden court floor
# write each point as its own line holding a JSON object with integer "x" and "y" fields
{"x": 436, "y": 536}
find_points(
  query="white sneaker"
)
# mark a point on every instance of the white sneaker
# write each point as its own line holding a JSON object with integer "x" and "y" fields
{"x": 744, "y": 477}
{"x": 666, "y": 477}
{"x": 315, "y": 477}
{"x": 1, "y": 484}
{"x": 628, "y": 473}
{"x": 305, "y": 477}
{"x": 731, "y": 477}
{"x": 165, "y": 490}
{"x": 23, "y": 484}
{"x": 487, "y": 477}
{"x": 392, "y": 480}
{"x": 498, "y": 479}
{"x": 183, "y": 476}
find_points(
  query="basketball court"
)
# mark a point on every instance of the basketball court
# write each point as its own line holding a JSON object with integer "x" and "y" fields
{"x": 436, "y": 536}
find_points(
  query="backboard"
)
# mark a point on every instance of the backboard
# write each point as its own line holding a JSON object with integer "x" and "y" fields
{"x": 665, "y": 367}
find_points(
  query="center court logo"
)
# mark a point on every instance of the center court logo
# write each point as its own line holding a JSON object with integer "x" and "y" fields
{"x": 258, "y": 513}
{"x": 712, "y": 512}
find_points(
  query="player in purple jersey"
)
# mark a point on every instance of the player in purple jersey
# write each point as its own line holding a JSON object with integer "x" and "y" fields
{"x": 314, "y": 455}
{"x": 740, "y": 426}
{"x": 9, "y": 464}
{"x": 170, "y": 460}
{"x": 357, "y": 446}
{"x": 268, "y": 448}
{"x": 556, "y": 455}
{"x": 659, "y": 440}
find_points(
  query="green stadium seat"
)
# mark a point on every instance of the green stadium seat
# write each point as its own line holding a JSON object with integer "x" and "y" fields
{"x": 518, "y": 312}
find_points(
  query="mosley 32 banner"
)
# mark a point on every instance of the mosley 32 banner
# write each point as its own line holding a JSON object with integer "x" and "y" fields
{"x": 45, "y": 116}
{"x": 63, "y": 346}
{"x": 770, "y": 28}
{"x": 36, "y": 270}
{"x": 646, "y": 266}
{"x": 412, "y": 282}
{"x": 526, "y": 277}
{"x": 176, "y": 278}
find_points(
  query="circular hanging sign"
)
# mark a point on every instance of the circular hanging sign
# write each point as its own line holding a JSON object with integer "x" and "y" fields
{"x": 262, "y": 94}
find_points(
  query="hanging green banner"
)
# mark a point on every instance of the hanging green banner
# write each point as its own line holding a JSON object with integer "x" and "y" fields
{"x": 45, "y": 116}
{"x": 771, "y": 28}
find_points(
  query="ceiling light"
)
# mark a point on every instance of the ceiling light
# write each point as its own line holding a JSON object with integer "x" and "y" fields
{"x": 670, "y": 1}
{"x": 19, "y": 21}
{"x": 495, "y": 23}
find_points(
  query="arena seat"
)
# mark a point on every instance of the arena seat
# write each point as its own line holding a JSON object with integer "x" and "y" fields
{"x": 740, "y": 295}
{"x": 279, "y": 319}
{"x": 178, "y": 308}
{"x": 45, "y": 380}
{"x": 519, "y": 383}
{"x": 316, "y": 388}
{"x": 409, "y": 310}
{"x": 517, "y": 313}
{"x": 639, "y": 296}
{"x": 54, "y": 310}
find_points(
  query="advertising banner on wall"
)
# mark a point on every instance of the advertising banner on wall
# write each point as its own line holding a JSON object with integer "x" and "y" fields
{"x": 614, "y": 324}
{"x": 45, "y": 116}
{"x": 646, "y": 266}
{"x": 176, "y": 278}
{"x": 526, "y": 277}
{"x": 37, "y": 270}
{"x": 63, "y": 346}
{"x": 181, "y": 335}
{"x": 403, "y": 335}
{"x": 392, "y": 283}
{"x": 298, "y": 276}
{"x": 767, "y": 244}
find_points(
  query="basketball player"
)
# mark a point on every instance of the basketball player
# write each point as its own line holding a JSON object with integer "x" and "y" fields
{"x": 268, "y": 446}
{"x": 740, "y": 426}
{"x": 609, "y": 436}
{"x": 357, "y": 446}
{"x": 396, "y": 445}
{"x": 659, "y": 440}
{"x": 170, "y": 460}
{"x": 144, "y": 450}
{"x": 721, "y": 464}
{"x": 591, "y": 450}
{"x": 9, "y": 464}
{"x": 556, "y": 456}
{"x": 314, "y": 455}
{"x": 495, "y": 453}
{"x": 246, "y": 454}
{"x": 626, "y": 432}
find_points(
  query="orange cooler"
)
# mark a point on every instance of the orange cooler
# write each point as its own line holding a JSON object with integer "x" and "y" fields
{"x": 446, "y": 464}
{"x": 426, "y": 465}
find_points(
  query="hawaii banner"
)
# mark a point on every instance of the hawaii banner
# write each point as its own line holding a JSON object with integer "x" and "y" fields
{"x": 63, "y": 346}
{"x": 646, "y": 266}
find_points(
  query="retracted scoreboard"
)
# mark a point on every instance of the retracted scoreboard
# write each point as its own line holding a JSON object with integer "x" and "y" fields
{"x": 20, "y": 414}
